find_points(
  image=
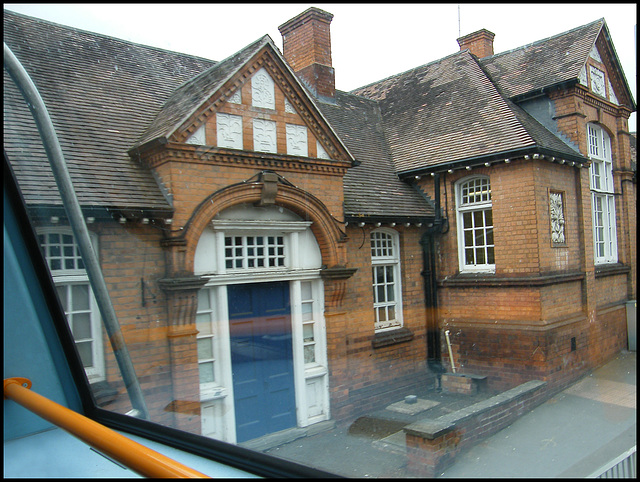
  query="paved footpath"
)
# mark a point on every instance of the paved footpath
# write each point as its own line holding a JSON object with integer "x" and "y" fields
{"x": 572, "y": 434}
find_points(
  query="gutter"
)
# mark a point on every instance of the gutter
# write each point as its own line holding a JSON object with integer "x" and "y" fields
{"x": 500, "y": 157}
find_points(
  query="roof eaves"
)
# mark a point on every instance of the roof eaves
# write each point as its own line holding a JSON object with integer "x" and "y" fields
{"x": 530, "y": 152}
{"x": 386, "y": 219}
{"x": 544, "y": 90}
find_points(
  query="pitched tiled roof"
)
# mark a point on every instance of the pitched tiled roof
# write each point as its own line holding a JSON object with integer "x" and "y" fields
{"x": 449, "y": 111}
{"x": 106, "y": 96}
{"x": 372, "y": 189}
{"x": 192, "y": 94}
{"x": 101, "y": 94}
{"x": 543, "y": 63}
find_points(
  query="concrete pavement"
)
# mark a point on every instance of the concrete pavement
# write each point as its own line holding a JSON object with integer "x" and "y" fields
{"x": 570, "y": 435}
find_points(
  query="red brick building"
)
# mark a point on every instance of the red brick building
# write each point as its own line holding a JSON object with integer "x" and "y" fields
{"x": 271, "y": 241}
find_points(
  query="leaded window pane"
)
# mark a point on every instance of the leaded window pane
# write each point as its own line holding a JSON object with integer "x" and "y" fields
{"x": 82, "y": 326}
{"x": 205, "y": 350}
{"x": 206, "y": 372}
{"x": 309, "y": 353}
{"x": 85, "y": 350}
{"x": 80, "y": 296}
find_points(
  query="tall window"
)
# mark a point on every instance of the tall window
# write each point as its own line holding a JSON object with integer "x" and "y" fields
{"x": 207, "y": 342}
{"x": 72, "y": 283}
{"x": 602, "y": 197}
{"x": 475, "y": 225}
{"x": 309, "y": 324}
{"x": 387, "y": 293}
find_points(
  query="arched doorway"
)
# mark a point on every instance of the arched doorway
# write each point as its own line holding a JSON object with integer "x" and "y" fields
{"x": 261, "y": 340}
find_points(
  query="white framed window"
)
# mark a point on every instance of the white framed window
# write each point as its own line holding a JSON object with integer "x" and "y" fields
{"x": 74, "y": 291}
{"x": 475, "y": 225}
{"x": 385, "y": 269}
{"x": 309, "y": 321}
{"x": 208, "y": 340}
{"x": 602, "y": 196}
{"x": 247, "y": 252}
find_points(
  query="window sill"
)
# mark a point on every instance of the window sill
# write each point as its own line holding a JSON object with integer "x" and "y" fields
{"x": 391, "y": 337}
{"x": 465, "y": 280}
{"x": 611, "y": 269}
{"x": 212, "y": 393}
{"x": 314, "y": 371}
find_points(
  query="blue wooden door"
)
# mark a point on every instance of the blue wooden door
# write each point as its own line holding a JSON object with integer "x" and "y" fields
{"x": 261, "y": 358}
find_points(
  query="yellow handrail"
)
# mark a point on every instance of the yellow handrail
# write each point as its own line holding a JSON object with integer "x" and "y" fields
{"x": 137, "y": 457}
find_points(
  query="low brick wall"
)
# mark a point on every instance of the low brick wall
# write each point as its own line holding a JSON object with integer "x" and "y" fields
{"x": 432, "y": 444}
{"x": 463, "y": 384}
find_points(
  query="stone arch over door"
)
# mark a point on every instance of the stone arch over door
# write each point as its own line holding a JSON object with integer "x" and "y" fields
{"x": 261, "y": 321}
{"x": 329, "y": 236}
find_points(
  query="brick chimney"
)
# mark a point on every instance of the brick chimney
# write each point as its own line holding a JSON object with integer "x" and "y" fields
{"x": 479, "y": 43}
{"x": 307, "y": 48}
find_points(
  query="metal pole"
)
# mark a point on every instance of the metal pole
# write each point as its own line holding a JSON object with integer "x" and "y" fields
{"x": 137, "y": 457}
{"x": 453, "y": 365}
{"x": 74, "y": 213}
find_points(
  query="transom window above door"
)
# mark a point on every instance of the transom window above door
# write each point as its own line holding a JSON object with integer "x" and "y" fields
{"x": 242, "y": 252}
{"x": 246, "y": 241}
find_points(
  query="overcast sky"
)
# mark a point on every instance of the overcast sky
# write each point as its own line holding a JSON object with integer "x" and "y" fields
{"x": 369, "y": 41}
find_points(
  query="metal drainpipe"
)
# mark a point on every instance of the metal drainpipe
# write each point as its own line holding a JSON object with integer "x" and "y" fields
{"x": 72, "y": 207}
{"x": 427, "y": 241}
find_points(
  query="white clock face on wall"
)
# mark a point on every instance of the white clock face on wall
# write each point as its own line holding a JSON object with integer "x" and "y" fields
{"x": 597, "y": 82}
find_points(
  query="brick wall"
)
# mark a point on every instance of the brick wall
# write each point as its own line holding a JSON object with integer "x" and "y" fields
{"x": 511, "y": 355}
{"x": 518, "y": 324}
{"x": 432, "y": 445}
{"x": 129, "y": 255}
{"x": 364, "y": 378}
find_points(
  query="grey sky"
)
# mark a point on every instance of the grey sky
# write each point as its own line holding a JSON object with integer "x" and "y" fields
{"x": 369, "y": 41}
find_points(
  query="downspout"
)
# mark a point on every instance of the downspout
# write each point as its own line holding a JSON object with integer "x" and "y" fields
{"x": 429, "y": 272}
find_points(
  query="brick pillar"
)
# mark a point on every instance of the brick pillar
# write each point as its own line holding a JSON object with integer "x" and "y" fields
{"x": 336, "y": 318}
{"x": 182, "y": 303}
{"x": 626, "y": 204}
{"x": 586, "y": 232}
